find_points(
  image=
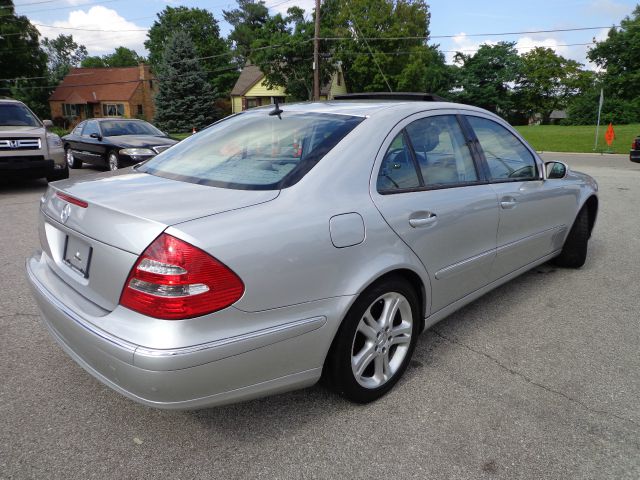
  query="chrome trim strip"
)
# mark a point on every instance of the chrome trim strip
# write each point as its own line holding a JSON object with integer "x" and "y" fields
{"x": 519, "y": 242}
{"x": 118, "y": 342}
{"x": 310, "y": 323}
{"x": 451, "y": 270}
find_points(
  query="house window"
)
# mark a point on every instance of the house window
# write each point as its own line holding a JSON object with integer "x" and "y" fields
{"x": 339, "y": 79}
{"x": 113, "y": 109}
{"x": 140, "y": 110}
{"x": 70, "y": 110}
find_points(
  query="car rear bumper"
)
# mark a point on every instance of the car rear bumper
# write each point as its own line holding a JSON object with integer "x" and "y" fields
{"x": 263, "y": 362}
{"x": 634, "y": 155}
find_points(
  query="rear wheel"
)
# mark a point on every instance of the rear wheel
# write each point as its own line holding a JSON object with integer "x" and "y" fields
{"x": 72, "y": 162}
{"x": 574, "y": 251}
{"x": 375, "y": 342}
{"x": 114, "y": 162}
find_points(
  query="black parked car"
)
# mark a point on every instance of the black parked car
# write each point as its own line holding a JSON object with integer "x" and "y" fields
{"x": 634, "y": 153}
{"x": 114, "y": 143}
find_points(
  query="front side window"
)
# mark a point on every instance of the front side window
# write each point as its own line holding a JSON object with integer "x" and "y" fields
{"x": 253, "y": 150}
{"x": 397, "y": 171}
{"x": 441, "y": 151}
{"x": 508, "y": 159}
{"x": 91, "y": 127}
{"x": 78, "y": 129}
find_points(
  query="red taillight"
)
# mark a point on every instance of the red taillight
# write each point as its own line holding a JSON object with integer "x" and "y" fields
{"x": 174, "y": 280}
{"x": 70, "y": 199}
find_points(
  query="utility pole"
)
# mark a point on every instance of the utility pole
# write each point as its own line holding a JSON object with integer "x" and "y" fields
{"x": 316, "y": 55}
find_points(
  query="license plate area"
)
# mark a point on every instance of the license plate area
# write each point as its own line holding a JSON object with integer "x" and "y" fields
{"x": 77, "y": 255}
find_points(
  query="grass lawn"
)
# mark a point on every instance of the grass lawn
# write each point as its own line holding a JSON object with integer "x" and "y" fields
{"x": 180, "y": 136}
{"x": 556, "y": 138}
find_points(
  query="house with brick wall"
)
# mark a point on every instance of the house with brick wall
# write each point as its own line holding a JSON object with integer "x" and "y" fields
{"x": 104, "y": 92}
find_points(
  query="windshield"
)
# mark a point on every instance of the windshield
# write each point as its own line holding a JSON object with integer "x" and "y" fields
{"x": 114, "y": 128}
{"x": 15, "y": 114}
{"x": 253, "y": 151}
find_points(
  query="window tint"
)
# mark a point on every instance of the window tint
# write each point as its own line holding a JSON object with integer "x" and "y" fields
{"x": 397, "y": 171}
{"x": 91, "y": 127}
{"x": 507, "y": 157}
{"x": 441, "y": 150}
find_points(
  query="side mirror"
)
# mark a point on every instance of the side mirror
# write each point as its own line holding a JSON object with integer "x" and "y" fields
{"x": 96, "y": 135}
{"x": 48, "y": 124}
{"x": 556, "y": 170}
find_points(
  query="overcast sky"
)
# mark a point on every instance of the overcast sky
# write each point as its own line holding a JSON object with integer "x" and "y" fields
{"x": 458, "y": 18}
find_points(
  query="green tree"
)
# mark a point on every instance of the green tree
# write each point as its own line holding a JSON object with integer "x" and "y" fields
{"x": 486, "y": 77}
{"x": 121, "y": 57}
{"x": 62, "y": 54}
{"x": 546, "y": 81}
{"x": 22, "y": 57}
{"x": 248, "y": 21}
{"x": 384, "y": 45}
{"x": 284, "y": 53}
{"x": 185, "y": 99}
{"x": 619, "y": 57}
{"x": 204, "y": 32}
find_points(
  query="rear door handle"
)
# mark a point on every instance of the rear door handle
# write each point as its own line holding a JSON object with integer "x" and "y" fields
{"x": 508, "y": 202}
{"x": 423, "y": 219}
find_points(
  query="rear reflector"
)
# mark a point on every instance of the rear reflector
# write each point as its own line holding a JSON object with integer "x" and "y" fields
{"x": 174, "y": 280}
{"x": 73, "y": 200}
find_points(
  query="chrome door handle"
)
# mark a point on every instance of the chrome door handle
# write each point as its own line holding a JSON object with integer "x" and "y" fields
{"x": 424, "y": 220}
{"x": 508, "y": 202}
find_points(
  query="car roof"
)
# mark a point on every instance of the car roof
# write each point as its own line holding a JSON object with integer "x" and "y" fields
{"x": 368, "y": 108}
{"x": 10, "y": 100}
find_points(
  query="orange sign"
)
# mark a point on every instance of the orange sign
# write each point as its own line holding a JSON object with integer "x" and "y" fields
{"x": 610, "y": 135}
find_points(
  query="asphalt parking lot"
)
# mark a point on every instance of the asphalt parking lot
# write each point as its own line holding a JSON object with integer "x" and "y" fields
{"x": 538, "y": 379}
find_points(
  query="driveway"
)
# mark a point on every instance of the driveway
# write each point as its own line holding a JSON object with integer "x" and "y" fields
{"x": 538, "y": 379}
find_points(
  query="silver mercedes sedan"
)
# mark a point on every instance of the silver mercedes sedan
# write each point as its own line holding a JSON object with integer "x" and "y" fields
{"x": 286, "y": 244}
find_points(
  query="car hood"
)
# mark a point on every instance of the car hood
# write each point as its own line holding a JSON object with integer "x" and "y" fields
{"x": 129, "y": 209}
{"x": 139, "y": 141}
{"x": 21, "y": 130}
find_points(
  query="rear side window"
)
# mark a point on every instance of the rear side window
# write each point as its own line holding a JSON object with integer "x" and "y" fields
{"x": 253, "y": 151}
{"x": 397, "y": 171}
{"x": 441, "y": 150}
{"x": 508, "y": 159}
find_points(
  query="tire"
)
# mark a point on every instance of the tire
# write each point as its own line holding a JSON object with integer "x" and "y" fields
{"x": 113, "y": 162}
{"x": 59, "y": 174}
{"x": 369, "y": 355}
{"x": 72, "y": 162}
{"x": 574, "y": 251}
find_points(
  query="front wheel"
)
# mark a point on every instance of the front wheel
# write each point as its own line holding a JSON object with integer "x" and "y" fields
{"x": 72, "y": 162}
{"x": 114, "y": 162}
{"x": 375, "y": 342}
{"x": 574, "y": 251}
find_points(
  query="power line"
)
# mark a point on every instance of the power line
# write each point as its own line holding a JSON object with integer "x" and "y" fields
{"x": 61, "y": 8}
{"x": 429, "y": 37}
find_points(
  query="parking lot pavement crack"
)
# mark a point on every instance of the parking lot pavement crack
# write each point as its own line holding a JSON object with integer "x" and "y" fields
{"x": 529, "y": 380}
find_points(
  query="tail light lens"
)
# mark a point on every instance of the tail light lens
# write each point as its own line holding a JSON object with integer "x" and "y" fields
{"x": 174, "y": 280}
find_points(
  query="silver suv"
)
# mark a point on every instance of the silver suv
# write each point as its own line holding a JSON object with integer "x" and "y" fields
{"x": 27, "y": 148}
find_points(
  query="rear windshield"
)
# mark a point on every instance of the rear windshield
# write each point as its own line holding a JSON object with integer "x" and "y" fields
{"x": 16, "y": 115}
{"x": 114, "y": 128}
{"x": 253, "y": 151}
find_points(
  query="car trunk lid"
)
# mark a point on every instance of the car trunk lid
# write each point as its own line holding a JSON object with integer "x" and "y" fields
{"x": 95, "y": 228}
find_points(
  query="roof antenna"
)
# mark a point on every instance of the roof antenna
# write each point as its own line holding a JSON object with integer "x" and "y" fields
{"x": 277, "y": 110}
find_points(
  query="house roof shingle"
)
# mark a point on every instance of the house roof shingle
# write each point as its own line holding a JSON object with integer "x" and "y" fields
{"x": 249, "y": 76}
{"x": 93, "y": 85}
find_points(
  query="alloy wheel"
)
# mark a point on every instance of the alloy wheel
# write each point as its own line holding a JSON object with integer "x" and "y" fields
{"x": 382, "y": 340}
{"x": 70, "y": 159}
{"x": 113, "y": 162}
